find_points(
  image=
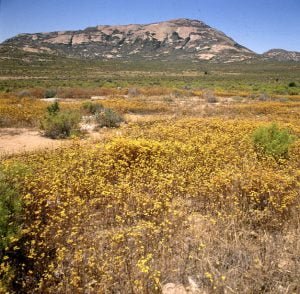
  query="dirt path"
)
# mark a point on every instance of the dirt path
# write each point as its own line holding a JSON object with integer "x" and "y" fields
{"x": 14, "y": 140}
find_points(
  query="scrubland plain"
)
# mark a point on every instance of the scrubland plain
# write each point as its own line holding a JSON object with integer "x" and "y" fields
{"x": 176, "y": 196}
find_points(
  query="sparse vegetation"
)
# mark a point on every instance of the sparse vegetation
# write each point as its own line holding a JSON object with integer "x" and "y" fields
{"x": 235, "y": 78}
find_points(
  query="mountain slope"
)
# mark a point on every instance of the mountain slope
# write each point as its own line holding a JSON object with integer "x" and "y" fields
{"x": 168, "y": 40}
{"x": 281, "y": 55}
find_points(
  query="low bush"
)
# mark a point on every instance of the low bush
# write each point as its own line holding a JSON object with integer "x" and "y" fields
{"x": 61, "y": 125}
{"x": 109, "y": 118}
{"x": 92, "y": 108}
{"x": 49, "y": 93}
{"x": 53, "y": 108}
{"x": 209, "y": 96}
{"x": 273, "y": 141}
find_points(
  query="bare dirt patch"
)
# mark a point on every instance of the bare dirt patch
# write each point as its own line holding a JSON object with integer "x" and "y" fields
{"x": 14, "y": 140}
{"x": 19, "y": 140}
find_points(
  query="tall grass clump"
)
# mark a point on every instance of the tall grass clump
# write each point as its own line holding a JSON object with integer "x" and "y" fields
{"x": 273, "y": 141}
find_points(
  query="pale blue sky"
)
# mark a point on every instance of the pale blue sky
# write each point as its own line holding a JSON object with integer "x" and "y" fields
{"x": 257, "y": 24}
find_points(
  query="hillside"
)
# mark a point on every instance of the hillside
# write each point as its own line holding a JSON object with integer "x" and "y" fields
{"x": 169, "y": 40}
{"x": 282, "y": 55}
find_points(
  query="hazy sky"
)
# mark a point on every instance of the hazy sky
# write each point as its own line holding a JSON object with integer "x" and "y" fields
{"x": 257, "y": 24}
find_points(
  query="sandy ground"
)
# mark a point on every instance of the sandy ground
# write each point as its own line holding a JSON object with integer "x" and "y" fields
{"x": 20, "y": 140}
{"x": 14, "y": 140}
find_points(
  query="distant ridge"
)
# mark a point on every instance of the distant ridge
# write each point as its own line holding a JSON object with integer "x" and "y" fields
{"x": 282, "y": 55}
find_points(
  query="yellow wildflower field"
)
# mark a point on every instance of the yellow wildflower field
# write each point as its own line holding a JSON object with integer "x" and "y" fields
{"x": 169, "y": 201}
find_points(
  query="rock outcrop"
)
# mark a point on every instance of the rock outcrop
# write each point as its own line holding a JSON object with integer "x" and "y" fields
{"x": 281, "y": 55}
{"x": 174, "y": 39}
{"x": 178, "y": 39}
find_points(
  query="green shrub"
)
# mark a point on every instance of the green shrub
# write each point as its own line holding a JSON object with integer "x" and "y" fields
{"x": 92, "y": 108}
{"x": 273, "y": 141}
{"x": 53, "y": 108}
{"x": 61, "y": 125}
{"x": 10, "y": 208}
{"x": 109, "y": 118}
{"x": 292, "y": 84}
{"x": 10, "y": 203}
{"x": 49, "y": 93}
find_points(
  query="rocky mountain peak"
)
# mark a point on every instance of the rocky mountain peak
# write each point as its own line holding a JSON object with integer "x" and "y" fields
{"x": 174, "y": 39}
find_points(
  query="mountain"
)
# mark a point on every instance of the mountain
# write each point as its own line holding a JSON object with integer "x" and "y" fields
{"x": 282, "y": 55}
{"x": 167, "y": 40}
{"x": 176, "y": 39}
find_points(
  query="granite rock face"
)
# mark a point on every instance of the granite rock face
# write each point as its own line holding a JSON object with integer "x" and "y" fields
{"x": 177, "y": 39}
{"x": 281, "y": 55}
{"x": 174, "y": 39}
